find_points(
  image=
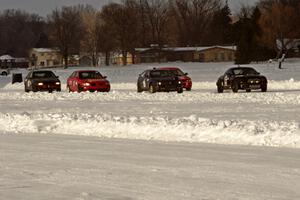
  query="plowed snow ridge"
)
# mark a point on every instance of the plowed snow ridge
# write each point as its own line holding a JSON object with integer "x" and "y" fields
{"x": 187, "y": 129}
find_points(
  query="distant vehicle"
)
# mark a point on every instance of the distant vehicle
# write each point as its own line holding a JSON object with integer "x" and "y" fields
{"x": 158, "y": 80}
{"x": 183, "y": 77}
{"x": 242, "y": 78}
{"x": 42, "y": 80}
{"x": 4, "y": 72}
{"x": 87, "y": 80}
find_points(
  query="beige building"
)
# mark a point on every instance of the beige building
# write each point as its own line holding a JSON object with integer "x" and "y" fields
{"x": 45, "y": 57}
{"x": 215, "y": 54}
{"x": 186, "y": 54}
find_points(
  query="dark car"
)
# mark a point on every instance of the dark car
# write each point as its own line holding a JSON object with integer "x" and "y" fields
{"x": 242, "y": 78}
{"x": 183, "y": 77}
{"x": 87, "y": 80}
{"x": 159, "y": 80}
{"x": 42, "y": 80}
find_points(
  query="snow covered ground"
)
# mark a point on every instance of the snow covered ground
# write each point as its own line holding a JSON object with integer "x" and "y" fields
{"x": 124, "y": 145}
{"x": 48, "y": 167}
{"x": 202, "y": 115}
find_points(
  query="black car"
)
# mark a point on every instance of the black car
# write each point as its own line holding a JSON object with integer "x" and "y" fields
{"x": 242, "y": 78}
{"x": 42, "y": 80}
{"x": 158, "y": 80}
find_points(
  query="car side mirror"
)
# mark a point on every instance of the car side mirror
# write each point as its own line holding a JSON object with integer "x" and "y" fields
{"x": 104, "y": 77}
{"x": 186, "y": 74}
{"x": 57, "y": 76}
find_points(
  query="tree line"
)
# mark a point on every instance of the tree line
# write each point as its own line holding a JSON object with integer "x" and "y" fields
{"x": 131, "y": 24}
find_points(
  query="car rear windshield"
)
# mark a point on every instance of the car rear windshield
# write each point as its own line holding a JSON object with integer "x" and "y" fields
{"x": 246, "y": 71}
{"x": 90, "y": 75}
{"x": 43, "y": 74}
{"x": 163, "y": 73}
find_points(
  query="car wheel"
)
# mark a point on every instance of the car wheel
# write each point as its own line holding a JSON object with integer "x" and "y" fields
{"x": 220, "y": 88}
{"x": 180, "y": 90}
{"x": 4, "y": 74}
{"x": 248, "y": 90}
{"x": 188, "y": 89}
{"x": 34, "y": 89}
{"x": 264, "y": 88}
{"x": 79, "y": 89}
{"x": 139, "y": 89}
{"x": 152, "y": 89}
{"x": 235, "y": 87}
{"x": 69, "y": 89}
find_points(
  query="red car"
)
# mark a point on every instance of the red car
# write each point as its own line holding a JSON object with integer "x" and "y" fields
{"x": 87, "y": 80}
{"x": 186, "y": 81}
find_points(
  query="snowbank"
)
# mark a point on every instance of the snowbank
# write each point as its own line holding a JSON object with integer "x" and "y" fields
{"x": 187, "y": 129}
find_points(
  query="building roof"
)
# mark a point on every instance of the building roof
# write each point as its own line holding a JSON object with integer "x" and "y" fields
{"x": 6, "y": 57}
{"x": 45, "y": 50}
{"x": 189, "y": 48}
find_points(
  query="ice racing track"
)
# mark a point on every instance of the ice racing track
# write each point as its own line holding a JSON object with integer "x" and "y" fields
{"x": 195, "y": 145}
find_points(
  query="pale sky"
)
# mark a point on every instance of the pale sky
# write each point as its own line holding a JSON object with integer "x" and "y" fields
{"x": 44, "y": 7}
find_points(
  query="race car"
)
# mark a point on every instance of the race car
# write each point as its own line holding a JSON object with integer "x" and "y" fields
{"x": 183, "y": 77}
{"x": 242, "y": 78}
{"x": 159, "y": 80}
{"x": 87, "y": 80}
{"x": 42, "y": 80}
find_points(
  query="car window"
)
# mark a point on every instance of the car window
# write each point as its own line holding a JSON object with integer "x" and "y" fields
{"x": 245, "y": 71}
{"x": 73, "y": 75}
{"x": 29, "y": 75}
{"x": 90, "y": 75}
{"x": 143, "y": 74}
{"x": 177, "y": 72}
{"x": 161, "y": 73}
{"x": 43, "y": 74}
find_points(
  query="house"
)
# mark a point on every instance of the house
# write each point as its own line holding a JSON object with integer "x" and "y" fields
{"x": 45, "y": 57}
{"x": 7, "y": 61}
{"x": 186, "y": 54}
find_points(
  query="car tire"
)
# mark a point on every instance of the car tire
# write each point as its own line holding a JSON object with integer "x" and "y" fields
{"x": 152, "y": 88}
{"x": 188, "y": 89}
{"x": 180, "y": 90}
{"x": 220, "y": 88}
{"x": 235, "y": 86}
{"x": 139, "y": 89}
{"x": 69, "y": 89}
{"x": 248, "y": 90}
{"x": 79, "y": 89}
{"x": 264, "y": 88}
{"x": 34, "y": 89}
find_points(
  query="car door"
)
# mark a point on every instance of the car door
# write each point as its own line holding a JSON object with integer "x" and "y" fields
{"x": 28, "y": 81}
{"x": 71, "y": 81}
{"x": 228, "y": 77}
{"x": 141, "y": 80}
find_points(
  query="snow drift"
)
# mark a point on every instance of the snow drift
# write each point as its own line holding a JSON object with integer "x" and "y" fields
{"x": 186, "y": 129}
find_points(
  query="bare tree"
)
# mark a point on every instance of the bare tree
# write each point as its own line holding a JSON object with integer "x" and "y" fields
{"x": 20, "y": 31}
{"x": 92, "y": 24}
{"x": 278, "y": 25}
{"x": 193, "y": 19}
{"x": 157, "y": 12}
{"x": 122, "y": 21}
{"x": 66, "y": 30}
